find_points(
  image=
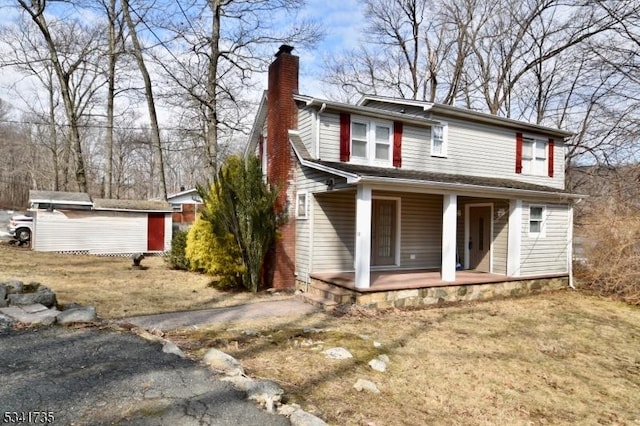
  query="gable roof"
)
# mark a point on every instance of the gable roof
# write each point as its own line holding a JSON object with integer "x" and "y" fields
{"x": 467, "y": 114}
{"x": 364, "y": 110}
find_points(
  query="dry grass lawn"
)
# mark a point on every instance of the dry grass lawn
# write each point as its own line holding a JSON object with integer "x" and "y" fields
{"x": 556, "y": 358}
{"x": 112, "y": 286}
{"x": 559, "y": 358}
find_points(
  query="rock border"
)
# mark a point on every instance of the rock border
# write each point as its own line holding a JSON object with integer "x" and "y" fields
{"x": 36, "y": 304}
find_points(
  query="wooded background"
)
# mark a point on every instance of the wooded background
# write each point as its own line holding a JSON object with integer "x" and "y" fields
{"x": 189, "y": 71}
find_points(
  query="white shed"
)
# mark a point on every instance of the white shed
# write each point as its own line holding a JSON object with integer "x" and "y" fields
{"x": 71, "y": 222}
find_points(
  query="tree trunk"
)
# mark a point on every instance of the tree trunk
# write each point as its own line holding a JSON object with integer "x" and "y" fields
{"x": 211, "y": 139}
{"x": 111, "y": 12}
{"x": 38, "y": 16}
{"x": 153, "y": 118}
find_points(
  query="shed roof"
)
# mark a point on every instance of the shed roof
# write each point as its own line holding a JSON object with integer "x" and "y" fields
{"x": 81, "y": 198}
{"x": 131, "y": 205}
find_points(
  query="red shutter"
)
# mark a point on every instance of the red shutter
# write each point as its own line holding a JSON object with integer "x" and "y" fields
{"x": 397, "y": 144}
{"x": 345, "y": 137}
{"x": 518, "y": 152}
{"x": 550, "y": 157}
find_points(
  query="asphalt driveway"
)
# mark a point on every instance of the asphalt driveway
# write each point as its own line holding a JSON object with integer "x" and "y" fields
{"x": 92, "y": 377}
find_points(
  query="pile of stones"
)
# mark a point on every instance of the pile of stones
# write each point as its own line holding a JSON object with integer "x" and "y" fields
{"x": 36, "y": 304}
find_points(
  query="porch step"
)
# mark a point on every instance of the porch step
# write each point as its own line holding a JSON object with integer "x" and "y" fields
{"x": 331, "y": 292}
{"x": 319, "y": 301}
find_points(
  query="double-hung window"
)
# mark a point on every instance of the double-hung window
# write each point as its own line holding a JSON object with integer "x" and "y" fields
{"x": 537, "y": 221}
{"x": 302, "y": 205}
{"x": 439, "y": 140}
{"x": 371, "y": 141}
{"x": 534, "y": 156}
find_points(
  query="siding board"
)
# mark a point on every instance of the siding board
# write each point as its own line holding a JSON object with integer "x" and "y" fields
{"x": 473, "y": 148}
{"x": 548, "y": 253}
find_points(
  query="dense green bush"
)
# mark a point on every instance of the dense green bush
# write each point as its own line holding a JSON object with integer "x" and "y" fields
{"x": 215, "y": 256}
{"x": 176, "y": 256}
{"x": 237, "y": 225}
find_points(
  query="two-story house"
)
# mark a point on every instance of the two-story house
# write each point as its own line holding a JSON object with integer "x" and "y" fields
{"x": 394, "y": 201}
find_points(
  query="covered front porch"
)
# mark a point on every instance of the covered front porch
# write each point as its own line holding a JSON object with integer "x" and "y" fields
{"x": 423, "y": 287}
{"x": 406, "y": 280}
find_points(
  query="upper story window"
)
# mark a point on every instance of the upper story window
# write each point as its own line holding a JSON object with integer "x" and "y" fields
{"x": 371, "y": 141}
{"x": 439, "y": 140}
{"x": 534, "y": 156}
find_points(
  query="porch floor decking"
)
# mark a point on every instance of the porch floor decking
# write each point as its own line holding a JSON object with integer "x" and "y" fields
{"x": 407, "y": 280}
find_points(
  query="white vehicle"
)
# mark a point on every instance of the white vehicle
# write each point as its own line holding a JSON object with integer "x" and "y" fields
{"x": 21, "y": 227}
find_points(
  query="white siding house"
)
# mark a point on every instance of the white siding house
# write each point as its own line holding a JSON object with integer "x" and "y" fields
{"x": 392, "y": 186}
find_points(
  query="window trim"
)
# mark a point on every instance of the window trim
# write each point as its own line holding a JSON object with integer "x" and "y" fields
{"x": 176, "y": 207}
{"x": 543, "y": 221}
{"x": 306, "y": 205}
{"x": 445, "y": 137}
{"x": 371, "y": 141}
{"x": 532, "y": 161}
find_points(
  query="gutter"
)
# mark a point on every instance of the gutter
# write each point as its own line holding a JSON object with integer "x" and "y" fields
{"x": 367, "y": 111}
{"x": 463, "y": 187}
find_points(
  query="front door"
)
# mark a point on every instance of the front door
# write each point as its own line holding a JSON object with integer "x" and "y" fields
{"x": 480, "y": 238}
{"x": 383, "y": 232}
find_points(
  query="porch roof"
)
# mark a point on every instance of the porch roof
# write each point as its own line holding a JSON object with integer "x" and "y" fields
{"x": 443, "y": 181}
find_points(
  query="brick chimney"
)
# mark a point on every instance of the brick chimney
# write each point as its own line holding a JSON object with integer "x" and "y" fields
{"x": 281, "y": 117}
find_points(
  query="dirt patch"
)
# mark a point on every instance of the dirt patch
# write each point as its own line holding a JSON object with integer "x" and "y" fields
{"x": 554, "y": 358}
{"x": 113, "y": 286}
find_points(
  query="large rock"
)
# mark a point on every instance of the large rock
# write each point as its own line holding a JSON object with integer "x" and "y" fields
{"x": 369, "y": 386}
{"x": 169, "y": 347}
{"x": 337, "y": 353}
{"x": 265, "y": 392}
{"x": 223, "y": 363}
{"x": 74, "y": 315}
{"x": 302, "y": 418}
{"x": 43, "y": 296}
{"x": 378, "y": 365}
{"x": 39, "y": 317}
{"x": 13, "y": 286}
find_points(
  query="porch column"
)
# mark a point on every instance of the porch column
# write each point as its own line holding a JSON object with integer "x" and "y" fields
{"x": 449, "y": 222}
{"x": 515, "y": 238}
{"x": 363, "y": 237}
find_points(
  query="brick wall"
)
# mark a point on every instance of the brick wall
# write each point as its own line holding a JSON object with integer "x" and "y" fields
{"x": 282, "y": 116}
{"x": 188, "y": 213}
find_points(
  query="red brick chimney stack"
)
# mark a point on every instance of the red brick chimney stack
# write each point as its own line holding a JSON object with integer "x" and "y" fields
{"x": 281, "y": 117}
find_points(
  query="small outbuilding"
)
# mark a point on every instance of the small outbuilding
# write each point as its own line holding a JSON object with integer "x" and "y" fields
{"x": 185, "y": 204}
{"x": 73, "y": 222}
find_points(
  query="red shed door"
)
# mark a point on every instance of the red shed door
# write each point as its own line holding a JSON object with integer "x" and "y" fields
{"x": 155, "y": 232}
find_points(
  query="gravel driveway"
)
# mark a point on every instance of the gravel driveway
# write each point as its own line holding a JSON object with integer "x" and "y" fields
{"x": 89, "y": 377}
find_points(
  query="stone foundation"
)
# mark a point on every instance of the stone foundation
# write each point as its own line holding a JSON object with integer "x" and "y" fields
{"x": 436, "y": 295}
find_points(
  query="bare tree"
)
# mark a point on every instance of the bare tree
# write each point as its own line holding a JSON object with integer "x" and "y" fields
{"x": 212, "y": 53}
{"x": 115, "y": 39}
{"x": 69, "y": 63}
{"x": 151, "y": 106}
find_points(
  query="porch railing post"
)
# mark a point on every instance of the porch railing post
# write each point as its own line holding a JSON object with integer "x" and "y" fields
{"x": 515, "y": 238}
{"x": 363, "y": 237}
{"x": 449, "y": 222}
